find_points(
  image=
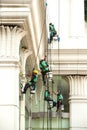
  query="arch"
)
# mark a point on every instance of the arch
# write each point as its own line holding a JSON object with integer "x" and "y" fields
{"x": 62, "y": 83}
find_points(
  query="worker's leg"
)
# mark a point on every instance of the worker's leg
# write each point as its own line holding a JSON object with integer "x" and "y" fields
{"x": 26, "y": 87}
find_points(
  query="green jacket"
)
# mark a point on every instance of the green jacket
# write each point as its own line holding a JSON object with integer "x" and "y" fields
{"x": 34, "y": 78}
{"x": 43, "y": 65}
{"x": 46, "y": 94}
{"x": 51, "y": 28}
{"x": 59, "y": 97}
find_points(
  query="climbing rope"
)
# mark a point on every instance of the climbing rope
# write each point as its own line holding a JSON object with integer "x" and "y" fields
{"x": 59, "y": 113}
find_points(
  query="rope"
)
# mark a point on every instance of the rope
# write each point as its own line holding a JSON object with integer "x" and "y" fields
{"x": 43, "y": 114}
{"x": 49, "y": 112}
{"x": 50, "y": 117}
{"x": 59, "y": 112}
{"x": 50, "y": 59}
{"x": 46, "y": 87}
{"x": 30, "y": 113}
{"x": 47, "y": 117}
{"x": 58, "y": 40}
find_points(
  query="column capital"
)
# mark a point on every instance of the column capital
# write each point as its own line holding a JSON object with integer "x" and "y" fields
{"x": 78, "y": 102}
{"x": 10, "y": 37}
{"x": 78, "y": 86}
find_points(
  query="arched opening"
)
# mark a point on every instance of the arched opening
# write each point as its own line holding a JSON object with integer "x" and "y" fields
{"x": 62, "y": 83}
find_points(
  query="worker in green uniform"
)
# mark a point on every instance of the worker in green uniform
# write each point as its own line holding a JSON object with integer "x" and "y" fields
{"x": 32, "y": 83}
{"x": 44, "y": 67}
{"x": 52, "y": 31}
{"x": 59, "y": 99}
{"x": 49, "y": 99}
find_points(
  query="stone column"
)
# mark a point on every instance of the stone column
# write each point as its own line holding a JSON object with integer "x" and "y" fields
{"x": 30, "y": 113}
{"x": 24, "y": 53}
{"x": 77, "y": 18}
{"x": 10, "y": 38}
{"x": 78, "y": 102}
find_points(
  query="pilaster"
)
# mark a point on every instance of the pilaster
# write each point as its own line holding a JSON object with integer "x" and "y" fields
{"x": 78, "y": 102}
{"x": 10, "y": 38}
{"x": 24, "y": 53}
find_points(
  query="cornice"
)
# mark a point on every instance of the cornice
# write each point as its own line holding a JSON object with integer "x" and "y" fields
{"x": 78, "y": 99}
{"x": 68, "y": 61}
{"x": 68, "y": 55}
{"x": 14, "y": 14}
{"x": 16, "y": 1}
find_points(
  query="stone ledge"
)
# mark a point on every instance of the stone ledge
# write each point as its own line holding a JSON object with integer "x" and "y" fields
{"x": 54, "y": 114}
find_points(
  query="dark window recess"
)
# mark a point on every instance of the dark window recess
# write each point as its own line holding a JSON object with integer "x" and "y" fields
{"x": 85, "y": 9}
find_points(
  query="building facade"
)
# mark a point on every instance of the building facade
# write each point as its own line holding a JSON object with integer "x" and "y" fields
{"x": 23, "y": 38}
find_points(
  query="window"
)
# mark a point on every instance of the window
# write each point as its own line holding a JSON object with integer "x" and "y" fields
{"x": 85, "y": 9}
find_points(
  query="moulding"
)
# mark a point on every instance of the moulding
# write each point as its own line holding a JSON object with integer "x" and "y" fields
{"x": 68, "y": 61}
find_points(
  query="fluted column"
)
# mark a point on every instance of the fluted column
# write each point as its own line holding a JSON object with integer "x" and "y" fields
{"x": 24, "y": 53}
{"x": 78, "y": 102}
{"x": 10, "y": 38}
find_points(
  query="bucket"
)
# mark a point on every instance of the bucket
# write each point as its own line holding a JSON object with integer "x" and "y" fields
{"x": 51, "y": 103}
{"x": 50, "y": 75}
{"x": 62, "y": 107}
